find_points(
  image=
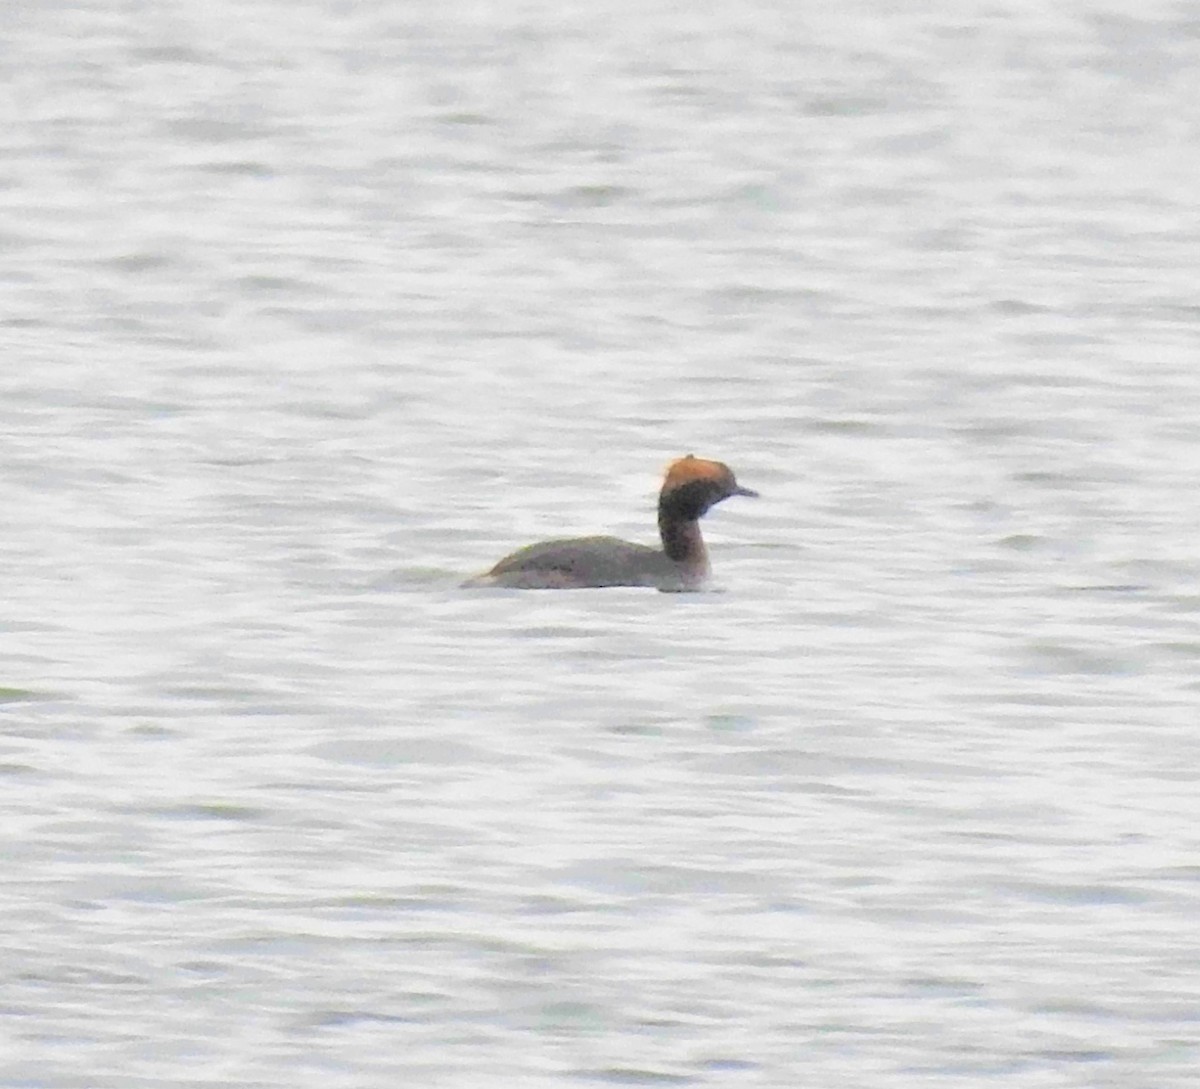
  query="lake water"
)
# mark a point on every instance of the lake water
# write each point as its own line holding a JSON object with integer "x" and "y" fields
{"x": 311, "y": 310}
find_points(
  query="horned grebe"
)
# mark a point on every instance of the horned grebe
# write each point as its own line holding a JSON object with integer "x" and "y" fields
{"x": 692, "y": 485}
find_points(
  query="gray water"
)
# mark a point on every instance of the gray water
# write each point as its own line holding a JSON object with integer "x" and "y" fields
{"x": 311, "y": 310}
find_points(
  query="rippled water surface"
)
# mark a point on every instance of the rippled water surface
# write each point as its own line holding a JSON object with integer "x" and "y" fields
{"x": 312, "y": 310}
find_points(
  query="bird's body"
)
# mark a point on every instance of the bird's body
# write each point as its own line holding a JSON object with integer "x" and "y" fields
{"x": 691, "y": 487}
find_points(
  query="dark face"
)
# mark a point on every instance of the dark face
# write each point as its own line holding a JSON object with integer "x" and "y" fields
{"x": 691, "y": 499}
